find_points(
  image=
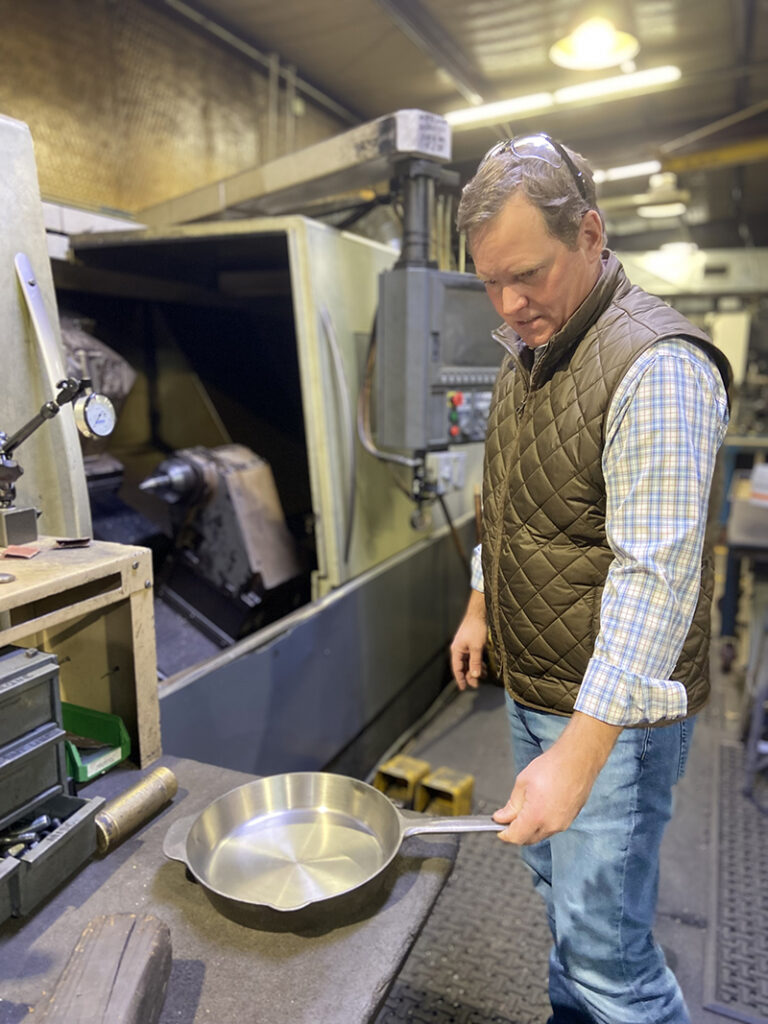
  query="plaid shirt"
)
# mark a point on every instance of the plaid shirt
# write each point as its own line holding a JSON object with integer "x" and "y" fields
{"x": 665, "y": 424}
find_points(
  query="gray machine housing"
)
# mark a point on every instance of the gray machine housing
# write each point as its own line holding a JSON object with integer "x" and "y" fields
{"x": 433, "y": 340}
{"x": 269, "y": 320}
{"x": 254, "y": 332}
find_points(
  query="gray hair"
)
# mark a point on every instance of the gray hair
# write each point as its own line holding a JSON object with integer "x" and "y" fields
{"x": 551, "y": 189}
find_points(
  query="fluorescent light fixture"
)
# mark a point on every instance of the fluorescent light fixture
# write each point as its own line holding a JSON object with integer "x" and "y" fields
{"x": 494, "y": 112}
{"x": 661, "y": 210}
{"x": 679, "y": 248}
{"x": 606, "y": 88}
{"x": 601, "y": 90}
{"x": 640, "y": 170}
{"x": 596, "y": 43}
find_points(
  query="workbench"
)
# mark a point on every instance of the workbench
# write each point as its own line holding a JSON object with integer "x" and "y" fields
{"x": 223, "y": 972}
{"x": 92, "y": 607}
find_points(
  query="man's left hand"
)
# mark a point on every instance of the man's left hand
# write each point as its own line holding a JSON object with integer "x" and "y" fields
{"x": 552, "y": 789}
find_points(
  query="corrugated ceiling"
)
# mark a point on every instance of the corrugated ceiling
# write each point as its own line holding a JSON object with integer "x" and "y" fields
{"x": 377, "y": 56}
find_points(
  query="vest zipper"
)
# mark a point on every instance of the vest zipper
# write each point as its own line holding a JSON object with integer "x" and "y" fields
{"x": 520, "y": 409}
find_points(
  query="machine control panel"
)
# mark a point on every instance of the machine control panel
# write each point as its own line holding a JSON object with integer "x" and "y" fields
{"x": 467, "y": 415}
{"x": 453, "y": 377}
{"x": 436, "y": 359}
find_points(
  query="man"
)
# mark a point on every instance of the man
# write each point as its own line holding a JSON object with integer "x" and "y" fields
{"x": 606, "y": 418}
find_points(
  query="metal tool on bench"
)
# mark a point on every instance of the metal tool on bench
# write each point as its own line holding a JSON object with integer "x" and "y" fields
{"x": 131, "y": 809}
{"x": 95, "y": 417}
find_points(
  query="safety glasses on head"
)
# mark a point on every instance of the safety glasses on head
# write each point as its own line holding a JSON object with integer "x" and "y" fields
{"x": 540, "y": 147}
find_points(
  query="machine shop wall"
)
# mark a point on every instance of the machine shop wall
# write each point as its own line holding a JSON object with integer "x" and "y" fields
{"x": 129, "y": 106}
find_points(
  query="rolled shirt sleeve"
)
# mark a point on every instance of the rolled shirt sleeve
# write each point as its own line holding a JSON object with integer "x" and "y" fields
{"x": 476, "y": 579}
{"x": 665, "y": 424}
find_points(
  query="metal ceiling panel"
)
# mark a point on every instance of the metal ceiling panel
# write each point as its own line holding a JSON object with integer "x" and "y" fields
{"x": 363, "y": 54}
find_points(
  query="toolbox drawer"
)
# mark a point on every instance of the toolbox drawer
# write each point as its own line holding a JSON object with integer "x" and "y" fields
{"x": 42, "y": 869}
{"x": 29, "y": 691}
{"x": 31, "y": 770}
{"x": 8, "y": 869}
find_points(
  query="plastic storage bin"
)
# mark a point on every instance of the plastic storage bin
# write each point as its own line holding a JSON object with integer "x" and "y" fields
{"x": 106, "y": 729}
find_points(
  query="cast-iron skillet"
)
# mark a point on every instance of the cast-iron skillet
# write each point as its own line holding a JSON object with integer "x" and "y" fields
{"x": 284, "y": 843}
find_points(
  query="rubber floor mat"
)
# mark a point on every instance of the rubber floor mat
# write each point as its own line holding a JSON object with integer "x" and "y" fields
{"x": 482, "y": 955}
{"x": 736, "y": 978}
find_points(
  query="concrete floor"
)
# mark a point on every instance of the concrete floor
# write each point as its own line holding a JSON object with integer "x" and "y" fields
{"x": 470, "y": 735}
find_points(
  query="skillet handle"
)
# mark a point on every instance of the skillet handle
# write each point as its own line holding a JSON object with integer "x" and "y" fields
{"x": 175, "y": 842}
{"x": 414, "y": 823}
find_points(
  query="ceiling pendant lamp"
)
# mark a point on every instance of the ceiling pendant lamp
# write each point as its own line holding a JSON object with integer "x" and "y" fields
{"x": 593, "y": 44}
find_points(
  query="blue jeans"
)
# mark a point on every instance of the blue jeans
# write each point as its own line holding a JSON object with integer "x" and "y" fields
{"x": 599, "y": 879}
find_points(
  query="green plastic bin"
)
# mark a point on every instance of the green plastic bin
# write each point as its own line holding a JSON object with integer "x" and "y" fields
{"x": 105, "y": 729}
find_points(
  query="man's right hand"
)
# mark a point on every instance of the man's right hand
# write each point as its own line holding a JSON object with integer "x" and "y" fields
{"x": 469, "y": 642}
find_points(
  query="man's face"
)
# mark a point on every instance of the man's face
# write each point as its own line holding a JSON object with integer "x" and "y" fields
{"x": 534, "y": 281}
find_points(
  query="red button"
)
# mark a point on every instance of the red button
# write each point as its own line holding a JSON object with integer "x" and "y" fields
{"x": 457, "y": 398}
{"x": 455, "y": 430}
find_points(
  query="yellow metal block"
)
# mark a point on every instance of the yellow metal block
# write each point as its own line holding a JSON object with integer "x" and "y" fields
{"x": 399, "y": 777}
{"x": 445, "y": 792}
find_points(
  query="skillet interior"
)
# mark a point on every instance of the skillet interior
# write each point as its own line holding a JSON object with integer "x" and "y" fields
{"x": 286, "y": 841}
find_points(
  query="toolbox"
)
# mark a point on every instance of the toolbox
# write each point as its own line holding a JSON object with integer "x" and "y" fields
{"x": 32, "y": 769}
{"x": 42, "y": 869}
{"x": 60, "y": 831}
{"x": 29, "y": 691}
{"x": 9, "y": 867}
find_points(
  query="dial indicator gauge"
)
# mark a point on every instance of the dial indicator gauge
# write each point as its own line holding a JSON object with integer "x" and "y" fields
{"x": 95, "y": 415}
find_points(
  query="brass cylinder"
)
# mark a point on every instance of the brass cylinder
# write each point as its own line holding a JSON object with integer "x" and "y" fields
{"x": 126, "y": 812}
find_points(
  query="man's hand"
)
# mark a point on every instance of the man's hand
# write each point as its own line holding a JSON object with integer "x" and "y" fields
{"x": 551, "y": 791}
{"x": 468, "y": 644}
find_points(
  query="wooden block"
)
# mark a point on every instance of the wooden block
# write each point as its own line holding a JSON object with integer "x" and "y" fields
{"x": 399, "y": 777}
{"x": 117, "y": 974}
{"x": 444, "y": 792}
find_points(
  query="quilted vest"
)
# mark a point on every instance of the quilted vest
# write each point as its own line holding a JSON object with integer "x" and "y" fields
{"x": 545, "y": 553}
